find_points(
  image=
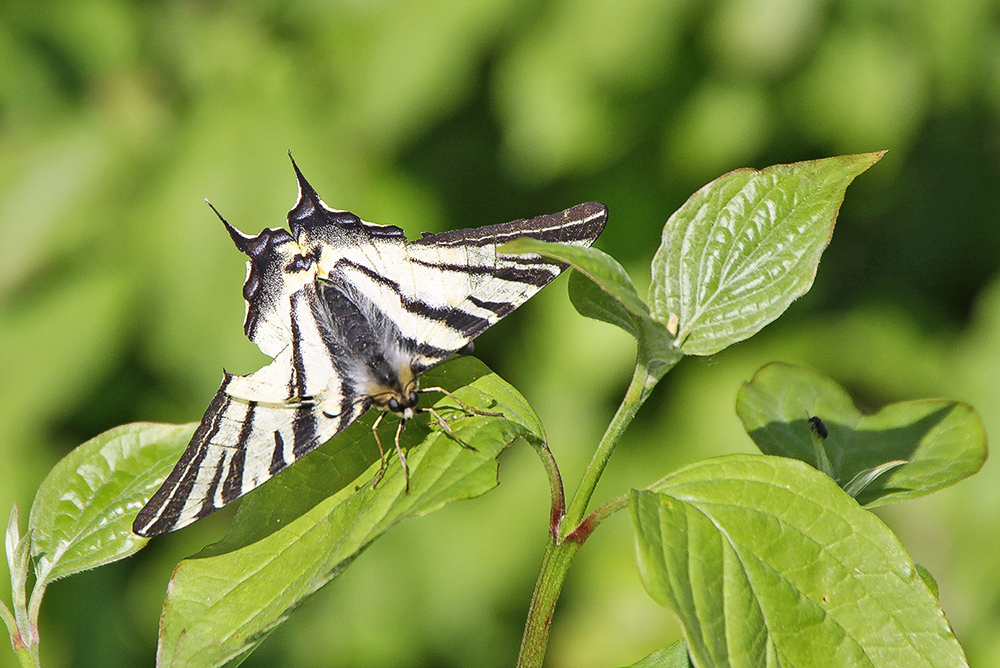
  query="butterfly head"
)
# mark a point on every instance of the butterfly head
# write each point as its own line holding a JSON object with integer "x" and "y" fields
{"x": 397, "y": 400}
{"x": 396, "y": 393}
{"x": 403, "y": 405}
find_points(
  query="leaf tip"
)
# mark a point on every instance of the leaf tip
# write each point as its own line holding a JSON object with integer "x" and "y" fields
{"x": 12, "y": 537}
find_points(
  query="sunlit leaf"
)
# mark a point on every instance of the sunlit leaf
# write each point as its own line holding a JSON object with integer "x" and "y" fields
{"x": 82, "y": 514}
{"x": 11, "y": 538}
{"x": 905, "y": 450}
{"x": 18, "y": 550}
{"x": 16, "y": 547}
{"x": 296, "y": 533}
{"x": 767, "y": 562}
{"x": 674, "y": 656}
{"x": 746, "y": 245}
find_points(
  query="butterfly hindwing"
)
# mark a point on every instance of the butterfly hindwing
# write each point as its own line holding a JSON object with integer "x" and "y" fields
{"x": 259, "y": 424}
{"x": 351, "y": 313}
{"x": 248, "y": 434}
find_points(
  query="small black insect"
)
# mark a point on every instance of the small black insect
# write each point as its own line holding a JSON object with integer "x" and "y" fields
{"x": 819, "y": 427}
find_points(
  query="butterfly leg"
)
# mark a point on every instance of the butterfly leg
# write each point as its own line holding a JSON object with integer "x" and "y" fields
{"x": 467, "y": 407}
{"x": 384, "y": 464}
{"x": 446, "y": 427}
{"x": 402, "y": 457}
{"x": 381, "y": 451}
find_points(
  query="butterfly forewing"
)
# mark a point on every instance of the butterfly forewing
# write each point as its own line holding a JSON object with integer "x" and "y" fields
{"x": 342, "y": 305}
{"x": 475, "y": 285}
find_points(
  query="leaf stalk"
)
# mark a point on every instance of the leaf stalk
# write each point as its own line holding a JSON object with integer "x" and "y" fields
{"x": 569, "y": 533}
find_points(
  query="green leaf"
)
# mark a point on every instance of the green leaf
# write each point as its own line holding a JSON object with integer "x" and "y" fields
{"x": 905, "y": 450}
{"x": 656, "y": 351}
{"x": 18, "y": 550}
{"x": 746, "y": 245}
{"x": 591, "y": 301}
{"x": 82, "y": 514}
{"x": 928, "y": 579}
{"x": 18, "y": 564}
{"x": 600, "y": 288}
{"x": 300, "y": 530}
{"x": 12, "y": 537}
{"x": 767, "y": 562}
{"x": 598, "y": 266}
{"x": 674, "y": 656}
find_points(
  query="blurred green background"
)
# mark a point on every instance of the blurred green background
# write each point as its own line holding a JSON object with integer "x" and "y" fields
{"x": 120, "y": 291}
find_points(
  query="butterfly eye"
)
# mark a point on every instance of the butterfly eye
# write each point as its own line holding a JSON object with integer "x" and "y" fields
{"x": 393, "y": 405}
{"x": 413, "y": 398}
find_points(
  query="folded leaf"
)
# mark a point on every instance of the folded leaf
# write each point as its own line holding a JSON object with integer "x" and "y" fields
{"x": 600, "y": 288}
{"x": 674, "y": 656}
{"x": 605, "y": 271}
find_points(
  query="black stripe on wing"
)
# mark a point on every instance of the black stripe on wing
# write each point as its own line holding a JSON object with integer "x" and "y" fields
{"x": 579, "y": 225}
{"x": 539, "y": 275}
{"x": 233, "y": 486}
{"x": 238, "y": 446}
{"x": 162, "y": 511}
{"x": 455, "y": 318}
{"x": 582, "y": 223}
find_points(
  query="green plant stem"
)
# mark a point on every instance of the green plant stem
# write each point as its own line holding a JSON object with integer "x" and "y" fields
{"x": 558, "y": 507}
{"x": 555, "y": 564}
{"x": 34, "y": 610}
{"x": 565, "y": 542}
{"x": 594, "y": 519}
{"x": 28, "y": 656}
{"x": 23, "y": 642}
{"x": 636, "y": 394}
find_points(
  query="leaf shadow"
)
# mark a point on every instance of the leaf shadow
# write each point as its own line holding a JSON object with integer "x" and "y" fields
{"x": 851, "y": 451}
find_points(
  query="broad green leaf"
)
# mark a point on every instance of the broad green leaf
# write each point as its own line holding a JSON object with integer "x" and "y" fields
{"x": 905, "y": 450}
{"x": 674, "y": 656}
{"x": 746, "y": 245}
{"x": 82, "y": 514}
{"x": 768, "y": 563}
{"x": 299, "y": 531}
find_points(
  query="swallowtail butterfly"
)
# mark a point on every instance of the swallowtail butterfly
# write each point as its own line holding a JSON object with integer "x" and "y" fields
{"x": 351, "y": 313}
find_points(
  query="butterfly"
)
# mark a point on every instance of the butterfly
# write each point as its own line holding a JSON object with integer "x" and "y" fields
{"x": 351, "y": 313}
